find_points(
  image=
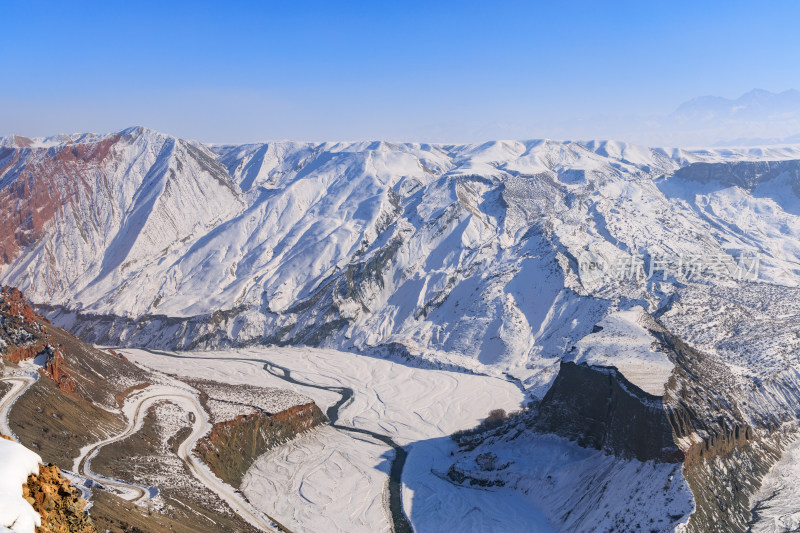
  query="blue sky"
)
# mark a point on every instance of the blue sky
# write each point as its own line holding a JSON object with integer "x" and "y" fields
{"x": 451, "y": 71}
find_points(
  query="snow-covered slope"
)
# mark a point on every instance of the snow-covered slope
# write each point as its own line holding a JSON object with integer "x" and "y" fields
{"x": 85, "y": 217}
{"x": 16, "y": 464}
{"x": 465, "y": 255}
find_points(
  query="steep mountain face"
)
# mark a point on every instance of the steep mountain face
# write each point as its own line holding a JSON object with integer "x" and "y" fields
{"x": 708, "y": 434}
{"x": 612, "y": 415}
{"x": 85, "y": 212}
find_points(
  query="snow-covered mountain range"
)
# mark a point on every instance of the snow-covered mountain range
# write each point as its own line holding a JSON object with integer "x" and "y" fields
{"x": 663, "y": 283}
{"x": 466, "y": 255}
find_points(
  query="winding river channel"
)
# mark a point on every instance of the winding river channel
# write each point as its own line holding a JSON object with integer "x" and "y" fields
{"x": 400, "y": 523}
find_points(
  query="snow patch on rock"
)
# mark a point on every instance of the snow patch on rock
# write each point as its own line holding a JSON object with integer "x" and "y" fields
{"x": 16, "y": 464}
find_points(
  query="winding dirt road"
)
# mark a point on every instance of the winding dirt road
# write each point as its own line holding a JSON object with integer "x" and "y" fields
{"x": 137, "y": 407}
{"x": 20, "y": 384}
{"x": 140, "y": 403}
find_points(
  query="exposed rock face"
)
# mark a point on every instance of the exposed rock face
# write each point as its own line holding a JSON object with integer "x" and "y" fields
{"x": 13, "y": 304}
{"x": 730, "y": 433}
{"x": 127, "y": 191}
{"x": 232, "y": 446}
{"x": 22, "y": 331}
{"x": 599, "y": 408}
{"x": 59, "y": 503}
{"x": 32, "y": 199}
{"x": 55, "y": 368}
{"x": 25, "y": 336}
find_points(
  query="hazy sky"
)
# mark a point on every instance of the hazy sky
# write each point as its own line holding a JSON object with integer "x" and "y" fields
{"x": 446, "y": 71}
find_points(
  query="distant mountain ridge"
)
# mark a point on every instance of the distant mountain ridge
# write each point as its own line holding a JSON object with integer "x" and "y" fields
{"x": 753, "y": 104}
{"x": 757, "y": 117}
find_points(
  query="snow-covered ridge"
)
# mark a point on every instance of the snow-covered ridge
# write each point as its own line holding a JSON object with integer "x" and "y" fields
{"x": 622, "y": 342}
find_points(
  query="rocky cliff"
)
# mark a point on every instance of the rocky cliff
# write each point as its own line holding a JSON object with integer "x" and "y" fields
{"x": 723, "y": 432}
{"x": 598, "y": 408}
{"x": 726, "y": 432}
{"x": 60, "y": 505}
{"x": 730, "y": 432}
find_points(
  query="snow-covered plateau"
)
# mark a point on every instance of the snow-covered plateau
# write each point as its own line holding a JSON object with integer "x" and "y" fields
{"x": 599, "y": 288}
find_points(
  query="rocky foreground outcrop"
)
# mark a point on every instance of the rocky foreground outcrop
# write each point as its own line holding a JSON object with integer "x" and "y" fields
{"x": 59, "y": 503}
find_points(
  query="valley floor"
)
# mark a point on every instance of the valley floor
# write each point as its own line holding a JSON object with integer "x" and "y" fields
{"x": 336, "y": 480}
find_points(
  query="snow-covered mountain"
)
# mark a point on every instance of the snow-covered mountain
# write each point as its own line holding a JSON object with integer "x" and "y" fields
{"x": 465, "y": 255}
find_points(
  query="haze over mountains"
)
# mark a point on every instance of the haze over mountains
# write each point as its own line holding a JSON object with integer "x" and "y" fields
{"x": 757, "y": 117}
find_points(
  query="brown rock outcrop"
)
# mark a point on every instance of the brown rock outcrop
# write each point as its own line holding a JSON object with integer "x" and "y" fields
{"x": 234, "y": 445}
{"x": 58, "y": 502}
{"x": 12, "y": 303}
{"x": 22, "y": 353}
{"x": 25, "y": 336}
{"x": 55, "y": 369}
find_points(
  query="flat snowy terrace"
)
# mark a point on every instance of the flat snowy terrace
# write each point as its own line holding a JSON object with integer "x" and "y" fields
{"x": 626, "y": 345}
{"x": 332, "y": 480}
